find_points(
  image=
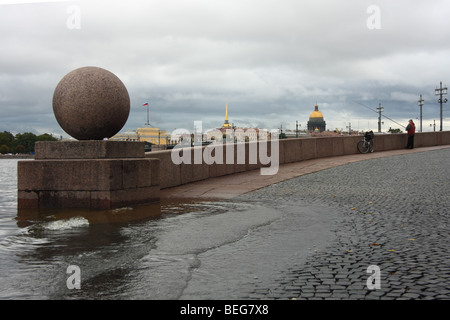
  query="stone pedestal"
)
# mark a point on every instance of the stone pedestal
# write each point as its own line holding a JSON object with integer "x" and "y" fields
{"x": 92, "y": 174}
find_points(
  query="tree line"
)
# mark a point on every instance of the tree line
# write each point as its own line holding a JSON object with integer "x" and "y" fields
{"x": 22, "y": 142}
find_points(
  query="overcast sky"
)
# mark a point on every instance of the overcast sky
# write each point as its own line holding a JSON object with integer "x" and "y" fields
{"x": 272, "y": 60}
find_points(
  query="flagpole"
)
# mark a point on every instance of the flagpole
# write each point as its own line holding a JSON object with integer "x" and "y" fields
{"x": 148, "y": 120}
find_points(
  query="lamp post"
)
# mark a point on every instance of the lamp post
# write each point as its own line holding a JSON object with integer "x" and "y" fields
{"x": 440, "y": 92}
{"x": 420, "y": 102}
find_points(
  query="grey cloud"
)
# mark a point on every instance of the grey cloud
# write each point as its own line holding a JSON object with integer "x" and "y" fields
{"x": 273, "y": 60}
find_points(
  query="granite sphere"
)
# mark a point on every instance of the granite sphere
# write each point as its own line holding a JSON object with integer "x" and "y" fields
{"x": 91, "y": 103}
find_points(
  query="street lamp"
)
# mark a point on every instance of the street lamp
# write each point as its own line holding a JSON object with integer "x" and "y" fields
{"x": 420, "y": 102}
{"x": 440, "y": 92}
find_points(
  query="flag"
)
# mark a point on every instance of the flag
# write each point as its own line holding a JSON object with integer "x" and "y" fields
{"x": 145, "y": 104}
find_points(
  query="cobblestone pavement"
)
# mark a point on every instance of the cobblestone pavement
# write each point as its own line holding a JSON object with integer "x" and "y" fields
{"x": 394, "y": 214}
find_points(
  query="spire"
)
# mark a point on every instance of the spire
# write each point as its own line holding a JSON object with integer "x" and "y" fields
{"x": 226, "y": 124}
{"x": 226, "y": 113}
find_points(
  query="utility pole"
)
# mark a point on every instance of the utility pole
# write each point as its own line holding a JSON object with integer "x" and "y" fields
{"x": 296, "y": 129}
{"x": 349, "y": 127}
{"x": 379, "y": 109}
{"x": 440, "y": 92}
{"x": 420, "y": 105}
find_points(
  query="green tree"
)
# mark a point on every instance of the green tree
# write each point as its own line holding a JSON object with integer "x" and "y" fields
{"x": 26, "y": 140}
{"x": 46, "y": 137}
{"x": 6, "y": 138}
{"x": 21, "y": 149}
{"x": 21, "y": 142}
{"x": 4, "y": 149}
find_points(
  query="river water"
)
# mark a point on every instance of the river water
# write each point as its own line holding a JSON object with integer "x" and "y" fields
{"x": 171, "y": 250}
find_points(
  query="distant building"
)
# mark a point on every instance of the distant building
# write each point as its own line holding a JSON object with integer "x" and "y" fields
{"x": 126, "y": 136}
{"x": 152, "y": 135}
{"x": 316, "y": 121}
{"x": 146, "y": 134}
{"x": 238, "y": 134}
{"x": 230, "y": 133}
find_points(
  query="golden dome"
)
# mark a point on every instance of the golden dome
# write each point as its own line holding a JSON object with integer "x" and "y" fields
{"x": 316, "y": 113}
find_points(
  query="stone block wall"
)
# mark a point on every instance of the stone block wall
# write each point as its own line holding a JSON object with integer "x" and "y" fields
{"x": 290, "y": 150}
{"x": 110, "y": 175}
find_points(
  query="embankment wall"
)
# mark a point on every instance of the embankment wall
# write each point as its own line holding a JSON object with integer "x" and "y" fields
{"x": 289, "y": 150}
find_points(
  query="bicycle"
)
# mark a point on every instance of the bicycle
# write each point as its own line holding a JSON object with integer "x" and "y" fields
{"x": 366, "y": 144}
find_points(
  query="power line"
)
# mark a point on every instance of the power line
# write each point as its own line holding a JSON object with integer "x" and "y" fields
{"x": 376, "y": 111}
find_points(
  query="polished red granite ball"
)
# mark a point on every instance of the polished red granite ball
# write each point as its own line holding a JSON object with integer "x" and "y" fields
{"x": 91, "y": 103}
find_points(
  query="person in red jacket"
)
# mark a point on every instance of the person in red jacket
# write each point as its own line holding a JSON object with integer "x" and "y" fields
{"x": 411, "y": 129}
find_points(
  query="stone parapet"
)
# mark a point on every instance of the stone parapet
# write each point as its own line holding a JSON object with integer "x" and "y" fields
{"x": 89, "y": 149}
{"x": 88, "y": 174}
{"x": 290, "y": 150}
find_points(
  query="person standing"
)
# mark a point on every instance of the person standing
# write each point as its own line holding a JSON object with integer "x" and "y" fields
{"x": 411, "y": 129}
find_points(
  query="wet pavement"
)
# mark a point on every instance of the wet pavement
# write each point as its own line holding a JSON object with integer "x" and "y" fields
{"x": 373, "y": 229}
{"x": 310, "y": 232}
{"x": 230, "y": 186}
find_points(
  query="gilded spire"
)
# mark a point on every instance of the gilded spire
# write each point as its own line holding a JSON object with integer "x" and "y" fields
{"x": 226, "y": 124}
{"x": 226, "y": 112}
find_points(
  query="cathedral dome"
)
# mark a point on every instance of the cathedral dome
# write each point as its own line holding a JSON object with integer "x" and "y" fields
{"x": 316, "y": 113}
{"x": 316, "y": 121}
